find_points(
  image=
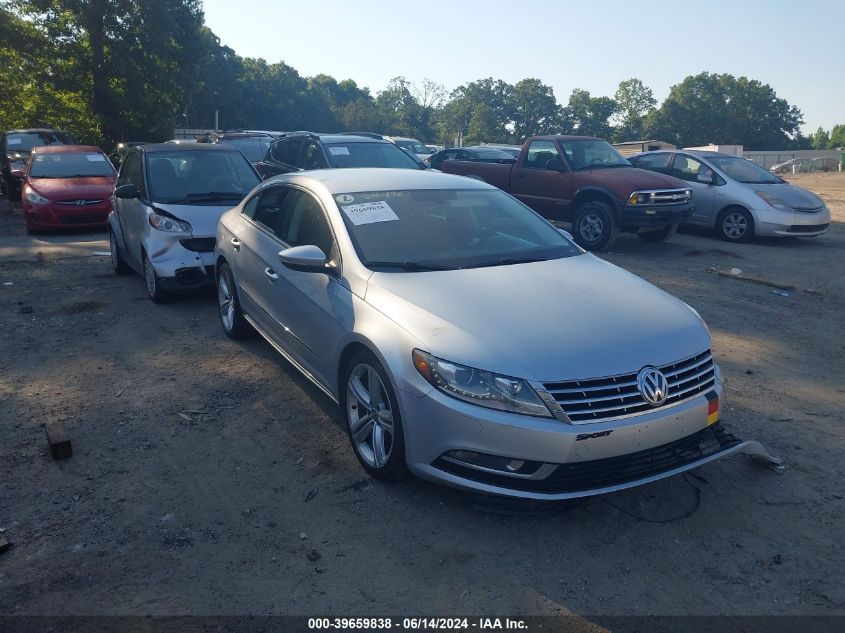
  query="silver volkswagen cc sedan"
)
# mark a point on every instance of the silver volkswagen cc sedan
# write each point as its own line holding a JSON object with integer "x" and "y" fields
{"x": 468, "y": 340}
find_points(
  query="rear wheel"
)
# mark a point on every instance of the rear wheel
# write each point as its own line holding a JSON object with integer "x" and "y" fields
{"x": 373, "y": 422}
{"x": 594, "y": 227}
{"x": 735, "y": 224}
{"x": 232, "y": 319}
{"x": 153, "y": 283}
{"x": 660, "y": 235}
{"x": 117, "y": 263}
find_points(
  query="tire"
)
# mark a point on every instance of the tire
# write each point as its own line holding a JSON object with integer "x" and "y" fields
{"x": 594, "y": 227}
{"x": 735, "y": 224}
{"x": 235, "y": 326}
{"x": 660, "y": 235}
{"x": 118, "y": 264}
{"x": 153, "y": 283}
{"x": 13, "y": 192}
{"x": 384, "y": 458}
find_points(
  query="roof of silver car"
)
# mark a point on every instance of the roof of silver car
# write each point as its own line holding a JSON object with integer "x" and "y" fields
{"x": 380, "y": 179}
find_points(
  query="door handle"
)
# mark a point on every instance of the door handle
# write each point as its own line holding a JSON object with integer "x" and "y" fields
{"x": 236, "y": 243}
{"x": 272, "y": 275}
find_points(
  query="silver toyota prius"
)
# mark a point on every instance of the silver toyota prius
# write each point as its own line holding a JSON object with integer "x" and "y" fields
{"x": 739, "y": 199}
{"x": 466, "y": 339}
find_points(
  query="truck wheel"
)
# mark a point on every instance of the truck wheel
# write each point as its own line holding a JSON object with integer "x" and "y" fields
{"x": 594, "y": 227}
{"x": 660, "y": 235}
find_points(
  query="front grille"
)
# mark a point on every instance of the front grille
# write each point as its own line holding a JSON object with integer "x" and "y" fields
{"x": 600, "y": 399}
{"x": 79, "y": 203}
{"x": 611, "y": 471}
{"x": 674, "y": 196}
{"x": 83, "y": 218}
{"x": 807, "y": 228}
{"x": 199, "y": 244}
{"x": 808, "y": 209}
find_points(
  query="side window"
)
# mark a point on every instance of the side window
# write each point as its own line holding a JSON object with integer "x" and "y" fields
{"x": 130, "y": 173}
{"x": 540, "y": 153}
{"x": 654, "y": 162}
{"x": 250, "y": 206}
{"x": 687, "y": 168}
{"x": 306, "y": 223}
{"x": 285, "y": 151}
{"x": 268, "y": 209}
{"x": 312, "y": 156}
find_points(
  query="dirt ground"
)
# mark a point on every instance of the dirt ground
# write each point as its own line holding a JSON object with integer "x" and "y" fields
{"x": 206, "y": 471}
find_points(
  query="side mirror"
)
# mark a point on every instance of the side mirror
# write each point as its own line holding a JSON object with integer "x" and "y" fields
{"x": 126, "y": 192}
{"x": 567, "y": 235}
{"x": 555, "y": 164}
{"x": 306, "y": 259}
{"x": 705, "y": 178}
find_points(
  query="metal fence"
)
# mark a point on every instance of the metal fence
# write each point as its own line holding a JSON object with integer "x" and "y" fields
{"x": 808, "y": 160}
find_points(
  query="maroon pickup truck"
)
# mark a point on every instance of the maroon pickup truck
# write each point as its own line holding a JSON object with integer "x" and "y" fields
{"x": 585, "y": 181}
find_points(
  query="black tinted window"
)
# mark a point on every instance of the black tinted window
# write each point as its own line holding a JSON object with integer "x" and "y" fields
{"x": 267, "y": 208}
{"x": 285, "y": 151}
{"x": 130, "y": 173}
{"x": 653, "y": 162}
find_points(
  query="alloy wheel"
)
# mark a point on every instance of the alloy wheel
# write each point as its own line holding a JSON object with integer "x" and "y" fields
{"x": 225, "y": 303}
{"x": 735, "y": 225}
{"x": 370, "y": 415}
{"x": 591, "y": 227}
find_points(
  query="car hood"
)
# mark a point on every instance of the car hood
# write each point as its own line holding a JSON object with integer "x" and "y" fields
{"x": 89, "y": 188}
{"x": 633, "y": 176}
{"x": 563, "y": 319}
{"x": 795, "y": 197}
{"x": 202, "y": 217}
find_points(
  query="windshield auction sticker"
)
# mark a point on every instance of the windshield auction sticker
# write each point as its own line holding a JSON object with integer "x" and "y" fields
{"x": 95, "y": 157}
{"x": 369, "y": 213}
{"x": 338, "y": 150}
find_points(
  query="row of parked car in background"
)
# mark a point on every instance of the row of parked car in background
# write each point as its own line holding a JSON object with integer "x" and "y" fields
{"x": 582, "y": 181}
{"x": 428, "y": 305}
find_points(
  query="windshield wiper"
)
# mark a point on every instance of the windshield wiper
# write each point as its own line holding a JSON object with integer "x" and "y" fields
{"x": 409, "y": 265}
{"x": 211, "y": 196}
{"x": 508, "y": 261}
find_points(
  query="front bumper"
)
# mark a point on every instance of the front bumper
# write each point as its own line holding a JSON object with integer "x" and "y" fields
{"x": 772, "y": 223}
{"x": 55, "y": 215}
{"x": 553, "y": 460}
{"x": 182, "y": 262}
{"x": 636, "y": 216}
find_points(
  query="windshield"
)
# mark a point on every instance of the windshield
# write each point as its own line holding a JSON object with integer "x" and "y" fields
{"x": 253, "y": 148}
{"x": 593, "y": 154}
{"x": 379, "y": 154}
{"x": 70, "y": 165}
{"x": 25, "y": 141}
{"x": 414, "y": 146}
{"x": 743, "y": 170}
{"x": 447, "y": 229}
{"x": 199, "y": 177}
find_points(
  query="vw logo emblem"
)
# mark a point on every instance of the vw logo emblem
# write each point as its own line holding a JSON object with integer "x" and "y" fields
{"x": 653, "y": 386}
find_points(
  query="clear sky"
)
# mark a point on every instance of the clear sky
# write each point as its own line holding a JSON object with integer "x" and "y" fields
{"x": 797, "y": 46}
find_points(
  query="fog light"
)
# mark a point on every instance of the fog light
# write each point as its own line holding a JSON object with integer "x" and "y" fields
{"x": 492, "y": 462}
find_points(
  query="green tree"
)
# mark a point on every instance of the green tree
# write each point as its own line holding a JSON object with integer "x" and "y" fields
{"x": 454, "y": 117}
{"x": 837, "y": 137}
{"x": 634, "y": 102}
{"x": 713, "y": 108}
{"x": 533, "y": 109}
{"x": 821, "y": 139}
{"x": 588, "y": 115}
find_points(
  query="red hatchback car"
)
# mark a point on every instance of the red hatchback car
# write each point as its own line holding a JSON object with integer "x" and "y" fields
{"x": 67, "y": 186}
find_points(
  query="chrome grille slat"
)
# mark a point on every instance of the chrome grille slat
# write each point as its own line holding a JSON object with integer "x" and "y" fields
{"x": 600, "y": 399}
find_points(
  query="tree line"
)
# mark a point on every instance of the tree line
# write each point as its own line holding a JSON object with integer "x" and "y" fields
{"x": 110, "y": 70}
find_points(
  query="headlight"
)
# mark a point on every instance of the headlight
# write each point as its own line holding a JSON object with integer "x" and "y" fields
{"x": 638, "y": 197}
{"x": 773, "y": 201}
{"x": 480, "y": 387}
{"x": 170, "y": 225}
{"x": 33, "y": 197}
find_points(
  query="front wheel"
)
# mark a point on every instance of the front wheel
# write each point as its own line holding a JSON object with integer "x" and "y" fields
{"x": 594, "y": 227}
{"x": 373, "y": 422}
{"x": 735, "y": 225}
{"x": 117, "y": 262}
{"x": 660, "y": 235}
{"x": 153, "y": 283}
{"x": 232, "y": 318}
